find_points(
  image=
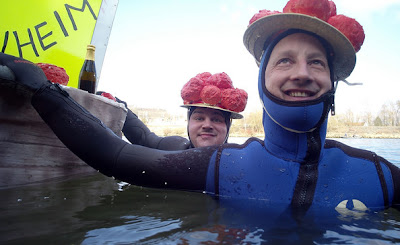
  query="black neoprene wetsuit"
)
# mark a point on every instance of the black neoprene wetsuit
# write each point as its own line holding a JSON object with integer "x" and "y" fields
{"x": 87, "y": 137}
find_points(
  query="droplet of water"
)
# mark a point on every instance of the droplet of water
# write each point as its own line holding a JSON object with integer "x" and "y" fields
{"x": 19, "y": 200}
{"x": 143, "y": 172}
{"x": 165, "y": 183}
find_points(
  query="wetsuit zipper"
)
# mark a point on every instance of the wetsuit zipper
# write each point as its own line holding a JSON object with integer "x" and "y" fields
{"x": 308, "y": 174}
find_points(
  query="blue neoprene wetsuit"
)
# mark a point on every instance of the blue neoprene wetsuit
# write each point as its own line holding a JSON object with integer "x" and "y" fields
{"x": 296, "y": 166}
{"x": 340, "y": 173}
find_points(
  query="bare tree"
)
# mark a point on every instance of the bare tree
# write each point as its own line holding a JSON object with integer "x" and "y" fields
{"x": 384, "y": 115}
{"x": 397, "y": 113}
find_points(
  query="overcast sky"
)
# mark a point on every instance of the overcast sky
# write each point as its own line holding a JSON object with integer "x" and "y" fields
{"x": 156, "y": 46}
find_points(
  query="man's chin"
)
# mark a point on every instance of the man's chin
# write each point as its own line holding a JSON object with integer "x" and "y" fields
{"x": 204, "y": 143}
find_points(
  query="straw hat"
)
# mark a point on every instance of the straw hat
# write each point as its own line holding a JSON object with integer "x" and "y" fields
{"x": 234, "y": 115}
{"x": 264, "y": 28}
{"x": 214, "y": 91}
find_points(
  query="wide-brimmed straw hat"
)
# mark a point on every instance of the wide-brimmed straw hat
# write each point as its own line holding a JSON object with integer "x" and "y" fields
{"x": 264, "y": 28}
{"x": 214, "y": 91}
{"x": 234, "y": 115}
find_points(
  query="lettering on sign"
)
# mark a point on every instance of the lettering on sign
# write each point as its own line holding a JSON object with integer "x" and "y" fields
{"x": 43, "y": 33}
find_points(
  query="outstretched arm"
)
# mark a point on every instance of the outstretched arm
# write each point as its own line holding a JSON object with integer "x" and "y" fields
{"x": 88, "y": 138}
{"x": 139, "y": 134}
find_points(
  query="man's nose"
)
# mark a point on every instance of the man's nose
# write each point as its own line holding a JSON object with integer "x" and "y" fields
{"x": 302, "y": 73}
{"x": 207, "y": 123}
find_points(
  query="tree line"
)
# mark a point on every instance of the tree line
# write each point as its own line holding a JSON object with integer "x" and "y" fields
{"x": 251, "y": 124}
{"x": 388, "y": 115}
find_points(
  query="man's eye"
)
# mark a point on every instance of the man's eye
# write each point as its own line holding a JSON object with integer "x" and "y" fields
{"x": 217, "y": 120}
{"x": 284, "y": 61}
{"x": 318, "y": 62}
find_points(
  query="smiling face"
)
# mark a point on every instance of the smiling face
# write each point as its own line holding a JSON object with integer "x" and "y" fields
{"x": 298, "y": 69}
{"x": 207, "y": 127}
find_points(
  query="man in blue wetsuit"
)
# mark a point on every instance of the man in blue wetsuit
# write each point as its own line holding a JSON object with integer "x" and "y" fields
{"x": 300, "y": 58}
{"x": 208, "y": 124}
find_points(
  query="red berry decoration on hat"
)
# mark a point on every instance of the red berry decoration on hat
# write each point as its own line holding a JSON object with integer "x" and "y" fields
{"x": 350, "y": 28}
{"x": 234, "y": 99}
{"x": 332, "y": 9}
{"x": 204, "y": 76}
{"x": 109, "y": 96}
{"x": 221, "y": 80}
{"x": 54, "y": 73}
{"x": 262, "y": 13}
{"x": 211, "y": 94}
{"x": 317, "y": 8}
{"x": 326, "y": 11}
{"x": 214, "y": 90}
{"x": 192, "y": 89}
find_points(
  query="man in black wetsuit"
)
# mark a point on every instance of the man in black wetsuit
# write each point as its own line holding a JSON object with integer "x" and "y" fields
{"x": 207, "y": 124}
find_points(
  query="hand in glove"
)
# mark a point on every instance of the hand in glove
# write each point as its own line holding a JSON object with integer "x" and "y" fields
{"x": 26, "y": 73}
{"x": 108, "y": 95}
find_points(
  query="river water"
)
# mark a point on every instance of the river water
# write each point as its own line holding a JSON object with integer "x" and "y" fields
{"x": 94, "y": 209}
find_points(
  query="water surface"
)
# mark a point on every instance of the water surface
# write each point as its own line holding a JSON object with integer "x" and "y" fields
{"x": 94, "y": 209}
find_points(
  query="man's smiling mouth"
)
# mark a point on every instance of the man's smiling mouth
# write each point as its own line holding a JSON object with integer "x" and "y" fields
{"x": 300, "y": 94}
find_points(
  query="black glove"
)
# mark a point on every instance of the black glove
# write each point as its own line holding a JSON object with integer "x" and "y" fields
{"x": 121, "y": 101}
{"x": 118, "y": 100}
{"x": 27, "y": 74}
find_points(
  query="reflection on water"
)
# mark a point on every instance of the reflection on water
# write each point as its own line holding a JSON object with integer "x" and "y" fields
{"x": 387, "y": 148}
{"x": 142, "y": 226}
{"x": 32, "y": 212}
{"x": 95, "y": 209}
{"x": 99, "y": 210}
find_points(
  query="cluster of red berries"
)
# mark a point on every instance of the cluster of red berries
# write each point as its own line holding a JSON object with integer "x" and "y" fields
{"x": 214, "y": 90}
{"x": 54, "y": 73}
{"x": 326, "y": 11}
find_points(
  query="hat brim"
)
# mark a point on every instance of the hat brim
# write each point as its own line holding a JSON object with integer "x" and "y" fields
{"x": 234, "y": 115}
{"x": 258, "y": 32}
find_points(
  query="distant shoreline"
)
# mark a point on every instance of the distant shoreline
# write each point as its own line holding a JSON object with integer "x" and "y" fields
{"x": 380, "y": 132}
{"x": 369, "y": 132}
